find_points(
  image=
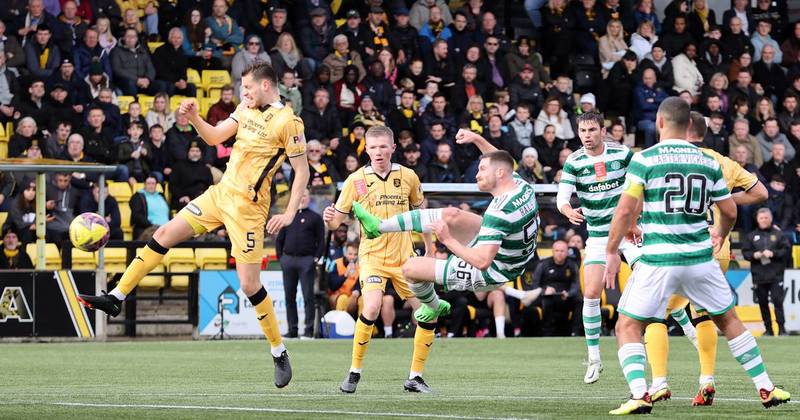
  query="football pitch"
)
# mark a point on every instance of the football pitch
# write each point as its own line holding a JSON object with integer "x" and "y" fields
{"x": 472, "y": 379}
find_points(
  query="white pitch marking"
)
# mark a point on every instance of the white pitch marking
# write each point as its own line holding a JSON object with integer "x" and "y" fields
{"x": 258, "y": 410}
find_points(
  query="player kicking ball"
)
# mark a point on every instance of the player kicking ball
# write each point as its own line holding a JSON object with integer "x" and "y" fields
{"x": 266, "y": 133}
{"x": 677, "y": 183}
{"x": 487, "y": 251}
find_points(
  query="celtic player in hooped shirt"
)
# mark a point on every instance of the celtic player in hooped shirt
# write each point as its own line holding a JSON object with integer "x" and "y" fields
{"x": 488, "y": 251}
{"x": 596, "y": 173}
{"x": 677, "y": 183}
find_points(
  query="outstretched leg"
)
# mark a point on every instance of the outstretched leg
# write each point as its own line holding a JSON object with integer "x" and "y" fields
{"x": 463, "y": 225}
{"x": 174, "y": 232}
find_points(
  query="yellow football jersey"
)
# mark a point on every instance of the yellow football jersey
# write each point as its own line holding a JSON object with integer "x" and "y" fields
{"x": 399, "y": 192}
{"x": 266, "y": 136}
{"x": 735, "y": 176}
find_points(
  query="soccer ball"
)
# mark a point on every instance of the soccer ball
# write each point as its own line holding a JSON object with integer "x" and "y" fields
{"x": 89, "y": 232}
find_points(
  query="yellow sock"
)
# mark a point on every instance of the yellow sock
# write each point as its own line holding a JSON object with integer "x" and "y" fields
{"x": 265, "y": 314}
{"x": 707, "y": 347}
{"x": 361, "y": 341}
{"x": 147, "y": 259}
{"x": 656, "y": 343}
{"x": 341, "y": 302}
{"x": 423, "y": 340}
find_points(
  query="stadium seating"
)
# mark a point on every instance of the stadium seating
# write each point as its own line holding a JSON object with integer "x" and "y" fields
{"x": 180, "y": 260}
{"x": 82, "y": 260}
{"x": 51, "y": 255}
{"x": 124, "y": 102}
{"x": 147, "y": 102}
{"x": 796, "y": 256}
{"x": 192, "y": 76}
{"x": 3, "y": 218}
{"x": 175, "y": 102}
{"x": 116, "y": 259}
{"x": 211, "y": 258}
{"x": 5, "y": 136}
{"x": 214, "y": 79}
{"x": 121, "y": 191}
{"x": 125, "y": 222}
{"x": 155, "y": 281}
{"x": 205, "y": 104}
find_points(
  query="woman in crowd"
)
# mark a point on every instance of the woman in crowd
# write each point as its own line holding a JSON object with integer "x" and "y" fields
{"x": 160, "y": 113}
{"x": 253, "y": 52}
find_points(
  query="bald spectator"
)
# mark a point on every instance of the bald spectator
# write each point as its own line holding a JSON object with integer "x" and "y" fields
{"x": 70, "y": 28}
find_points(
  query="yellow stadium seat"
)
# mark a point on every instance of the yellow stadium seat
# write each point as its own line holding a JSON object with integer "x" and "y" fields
{"x": 82, "y": 260}
{"x": 125, "y": 222}
{"x": 124, "y": 102}
{"x": 796, "y": 256}
{"x": 3, "y": 218}
{"x": 147, "y": 102}
{"x": 52, "y": 258}
{"x": 116, "y": 259}
{"x": 175, "y": 102}
{"x": 4, "y": 136}
{"x": 205, "y": 105}
{"x": 153, "y": 45}
{"x": 544, "y": 252}
{"x": 154, "y": 282}
{"x": 215, "y": 79}
{"x": 121, "y": 191}
{"x": 211, "y": 258}
{"x": 180, "y": 260}
{"x": 192, "y": 76}
{"x": 214, "y": 95}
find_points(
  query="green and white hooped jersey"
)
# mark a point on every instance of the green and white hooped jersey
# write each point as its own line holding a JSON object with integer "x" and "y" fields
{"x": 512, "y": 221}
{"x": 598, "y": 181}
{"x": 679, "y": 183}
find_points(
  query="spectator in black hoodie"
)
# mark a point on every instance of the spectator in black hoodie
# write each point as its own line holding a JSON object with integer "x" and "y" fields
{"x": 171, "y": 62}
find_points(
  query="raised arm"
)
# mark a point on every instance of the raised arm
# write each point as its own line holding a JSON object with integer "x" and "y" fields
{"x": 465, "y": 136}
{"x": 212, "y": 135}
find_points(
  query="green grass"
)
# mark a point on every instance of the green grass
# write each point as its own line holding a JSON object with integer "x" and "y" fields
{"x": 472, "y": 378}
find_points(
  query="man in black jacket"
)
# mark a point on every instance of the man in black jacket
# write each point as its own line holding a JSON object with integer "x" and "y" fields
{"x": 170, "y": 63}
{"x": 320, "y": 119}
{"x": 299, "y": 247}
{"x": 767, "y": 248}
{"x": 558, "y": 278}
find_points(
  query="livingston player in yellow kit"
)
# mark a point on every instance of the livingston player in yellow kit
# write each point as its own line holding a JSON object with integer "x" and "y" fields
{"x": 266, "y": 133}
{"x": 746, "y": 189}
{"x": 386, "y": 189}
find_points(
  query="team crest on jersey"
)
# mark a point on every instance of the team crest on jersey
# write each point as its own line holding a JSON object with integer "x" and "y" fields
{"x": 396, "y": 183}
{"x": 615, "y": 165}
